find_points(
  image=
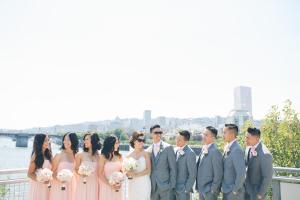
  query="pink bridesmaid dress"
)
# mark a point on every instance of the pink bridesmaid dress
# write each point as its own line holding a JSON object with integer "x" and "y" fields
{"x": 69, "y": 193}
{"x": 37, "y": 190}
{"x": 90, "y": 190}
{"x": 107, "y": 192}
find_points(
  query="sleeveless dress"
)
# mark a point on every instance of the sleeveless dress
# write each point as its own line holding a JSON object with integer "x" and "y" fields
{"x": 37, "y": 190}
{"x": 107, "y": 192}
{"x": 90, "y": 190}
{"x": 139, "y": 188}
{"x": 69, "y": 193}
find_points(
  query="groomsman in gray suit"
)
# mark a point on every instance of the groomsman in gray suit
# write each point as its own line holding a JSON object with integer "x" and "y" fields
{"x": 210, "y": 167}
{"x": 163, "y": 167}
{"x": 186, "y": 166}
{"x": 259, "y": 166}
{"x": 234, "y": 166}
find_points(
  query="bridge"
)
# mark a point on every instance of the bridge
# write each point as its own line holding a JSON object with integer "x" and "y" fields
{"x": 22, "y": 138}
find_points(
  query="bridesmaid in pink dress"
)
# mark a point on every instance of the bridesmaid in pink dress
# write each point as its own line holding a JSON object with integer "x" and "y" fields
{"x": 110, "y": 162}
{"x": 41, "y": 158}
{"x": 89, "y": 157}
{"x": 65, "y": 160}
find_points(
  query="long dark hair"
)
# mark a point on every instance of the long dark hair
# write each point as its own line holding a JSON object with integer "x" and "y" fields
{"x": 74, "y": 142}
{"x": 38, "y": 151}
{"x": 109, "y": 147}
{"x": 95, "y": 141}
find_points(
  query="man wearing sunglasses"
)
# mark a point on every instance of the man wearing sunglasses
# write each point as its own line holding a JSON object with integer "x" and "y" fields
{"x": 163, "y": 170}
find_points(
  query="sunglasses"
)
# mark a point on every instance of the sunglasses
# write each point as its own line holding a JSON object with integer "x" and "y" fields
{"x": 158, "y": 132}
{"x": 141, "y": 140}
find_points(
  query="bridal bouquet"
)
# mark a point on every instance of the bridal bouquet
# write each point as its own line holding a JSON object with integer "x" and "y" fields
{"x": 44, "y": 175}
{"x": 64, "y": 176}
{"x": 130, "y": 164}
{"x": 85, "y": 171}
{"x": 116, "y": 178}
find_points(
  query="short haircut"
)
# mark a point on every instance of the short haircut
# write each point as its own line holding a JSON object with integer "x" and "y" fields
{"x": 213, "y": 130}
{"x": 154, "y": 127}
{"x": 135, "y": 136}
{"x": 186, "y": 134}
{"x": 254, "y": 131}
{"x": 233, "y": 127}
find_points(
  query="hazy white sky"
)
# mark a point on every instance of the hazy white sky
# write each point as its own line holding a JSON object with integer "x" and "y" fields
{"x": 64, "y": 61}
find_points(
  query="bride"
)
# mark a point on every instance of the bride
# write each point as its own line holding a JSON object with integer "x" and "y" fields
{"x": 139, "y": 184}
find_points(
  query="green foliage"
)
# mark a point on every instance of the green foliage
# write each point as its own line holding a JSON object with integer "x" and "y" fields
{"x": 281, "y": 134}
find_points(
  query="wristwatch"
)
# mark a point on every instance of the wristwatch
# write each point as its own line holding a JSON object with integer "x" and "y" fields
{"x": 234, "y": 193}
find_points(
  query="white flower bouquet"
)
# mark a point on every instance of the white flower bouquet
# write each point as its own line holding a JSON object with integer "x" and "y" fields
{"x": 64, "y": 176}
{"x": 44, "y": 175}
{"x": 116, "y": 178}
{"x": 85, "y": 171}
{"x": 130, "y": 164}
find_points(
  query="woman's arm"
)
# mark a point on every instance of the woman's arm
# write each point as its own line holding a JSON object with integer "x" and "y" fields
{"x": 102, "y": 161}
{"x": 55, "y": 163}
{"x": 78, "y": 160}
{"x": 31, "y": 169}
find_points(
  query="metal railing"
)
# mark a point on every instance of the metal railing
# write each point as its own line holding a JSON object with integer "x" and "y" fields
{"x": 14, "y": 184}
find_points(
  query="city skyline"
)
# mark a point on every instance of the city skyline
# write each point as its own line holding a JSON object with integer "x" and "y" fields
{"x": 108, "y": 59}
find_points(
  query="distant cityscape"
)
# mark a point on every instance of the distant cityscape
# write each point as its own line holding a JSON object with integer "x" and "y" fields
{"x": 241, "y": 111}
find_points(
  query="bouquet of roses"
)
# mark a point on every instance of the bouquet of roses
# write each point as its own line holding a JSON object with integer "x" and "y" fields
{"x": 64, "y": 176}
{"x": 116, "y": 178}
{"x": 44, "y": 175}
{"x": 130, "y": 164}
{"x": 85, "y": 171}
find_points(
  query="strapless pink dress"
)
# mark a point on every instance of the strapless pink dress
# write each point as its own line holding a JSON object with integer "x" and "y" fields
{"x": 69, "y": 193}
{"x": 37, "y": 190}
{"x": 107, "y": 192}
{"x": 90, "y": 190}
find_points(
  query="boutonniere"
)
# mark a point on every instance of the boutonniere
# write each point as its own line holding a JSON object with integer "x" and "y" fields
{"x": 253, "y": 152}
{"x": 205, "y": 151}
{"x": 181, "y": 152}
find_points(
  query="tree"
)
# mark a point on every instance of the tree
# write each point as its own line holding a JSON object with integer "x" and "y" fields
{"x": 281, "y": 134}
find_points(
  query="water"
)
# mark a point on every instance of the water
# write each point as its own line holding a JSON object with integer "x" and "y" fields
{"x": 17, "y": 157}
{"x": 12, "y": 157}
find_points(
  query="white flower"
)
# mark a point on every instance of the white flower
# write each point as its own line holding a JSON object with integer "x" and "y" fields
{"x": 181, "y": 152}
{"x": 85, "y": 170}
{"x": 130, "y": 164}
{"x": 64, "y": 176}
{"x": 253, "y": 152}
{"x": 43, "y": 175}
{"x": 116, "y": 178}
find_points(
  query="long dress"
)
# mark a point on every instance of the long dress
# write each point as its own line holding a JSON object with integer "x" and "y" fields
{"x": 90, "y": 190}
{"x": 37, "y": 190}
{"x": 139, "y": 188}
{"x": 107, "y": 192}
{"x": 56, "y": 193}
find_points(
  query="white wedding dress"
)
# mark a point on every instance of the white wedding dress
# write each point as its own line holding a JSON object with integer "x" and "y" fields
{"x": 139, "y": 188}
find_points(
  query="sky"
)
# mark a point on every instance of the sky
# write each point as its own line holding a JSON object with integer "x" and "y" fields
{"x": 64, "y": 61}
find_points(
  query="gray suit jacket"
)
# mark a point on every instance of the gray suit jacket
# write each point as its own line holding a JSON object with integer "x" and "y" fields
{"x": 259, "y": 172}
{"x": 234, "y": 169}
{"x": 186, "y": 170}
{"x": 163, "y": 170}
{"x": 210, "y": 171}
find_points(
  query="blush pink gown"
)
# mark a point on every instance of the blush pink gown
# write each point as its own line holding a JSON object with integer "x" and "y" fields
{"x": 37, "y": 190}
{"x": 90, "y": 190}
{"x": 69, "y": 193}
{"x": 107, "y": 192}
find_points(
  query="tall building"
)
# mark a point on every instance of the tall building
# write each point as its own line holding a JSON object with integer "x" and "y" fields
{"x": 147, "y": 118}
{"x": 243, "y": 99}
{"x": 242, "y": 110}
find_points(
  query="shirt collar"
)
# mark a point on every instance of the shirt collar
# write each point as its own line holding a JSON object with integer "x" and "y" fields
{"x": 230, "y": 144}
{"x": 255, "y": 146}
{"x": 158, "y": 143}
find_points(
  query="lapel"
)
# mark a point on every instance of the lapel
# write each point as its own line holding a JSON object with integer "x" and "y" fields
{"x": 161, "y": 148}
{"x": 185, "y": 149}
{"x": 212, "y": 146}
{"x": 258, "y": 148}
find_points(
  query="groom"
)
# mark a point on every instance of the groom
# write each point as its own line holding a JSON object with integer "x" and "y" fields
{"x": 163, "y": 169}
